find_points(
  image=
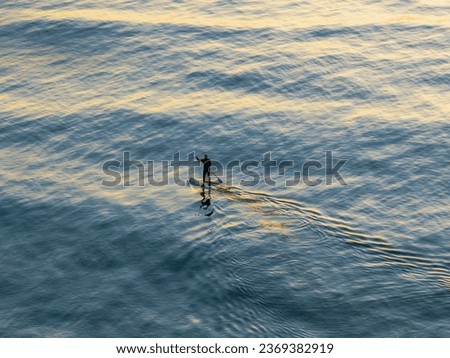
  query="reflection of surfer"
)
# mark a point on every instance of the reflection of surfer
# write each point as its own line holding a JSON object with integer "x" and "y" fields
{"x": 205, "y": 203}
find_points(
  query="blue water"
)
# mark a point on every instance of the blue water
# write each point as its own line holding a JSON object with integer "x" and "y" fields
{"x": 81, "y": 82}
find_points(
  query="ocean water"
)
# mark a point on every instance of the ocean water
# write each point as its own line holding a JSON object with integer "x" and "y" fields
{"x": 82, "y": 82}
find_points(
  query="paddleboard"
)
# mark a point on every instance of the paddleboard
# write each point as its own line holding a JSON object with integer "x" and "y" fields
{"x": 196, "y": 182}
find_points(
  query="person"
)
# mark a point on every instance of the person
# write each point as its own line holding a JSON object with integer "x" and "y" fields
{"x": 206, "y": 168}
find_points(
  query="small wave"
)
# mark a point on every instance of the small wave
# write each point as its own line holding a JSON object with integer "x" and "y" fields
{"x": 286, "y": 218}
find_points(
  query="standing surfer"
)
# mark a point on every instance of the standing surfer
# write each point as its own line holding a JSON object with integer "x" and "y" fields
{"x": 206, "y": 168}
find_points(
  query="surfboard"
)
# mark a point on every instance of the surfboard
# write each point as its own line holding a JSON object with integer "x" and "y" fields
{"x": 196, "y": 182}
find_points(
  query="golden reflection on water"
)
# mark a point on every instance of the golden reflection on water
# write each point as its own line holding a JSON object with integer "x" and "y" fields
{"x": 61, "y": 96}
{"x": 281, "y": 17}
{"x": 208, "y": 102}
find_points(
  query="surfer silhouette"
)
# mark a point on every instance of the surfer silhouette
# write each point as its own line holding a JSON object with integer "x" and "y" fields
{"x": 206, "y": 168}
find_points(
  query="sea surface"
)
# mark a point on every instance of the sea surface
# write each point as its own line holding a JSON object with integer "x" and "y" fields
{"x": 83, "y": 82}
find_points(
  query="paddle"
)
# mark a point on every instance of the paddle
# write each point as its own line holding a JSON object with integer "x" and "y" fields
{"x": 220, "y": 181}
